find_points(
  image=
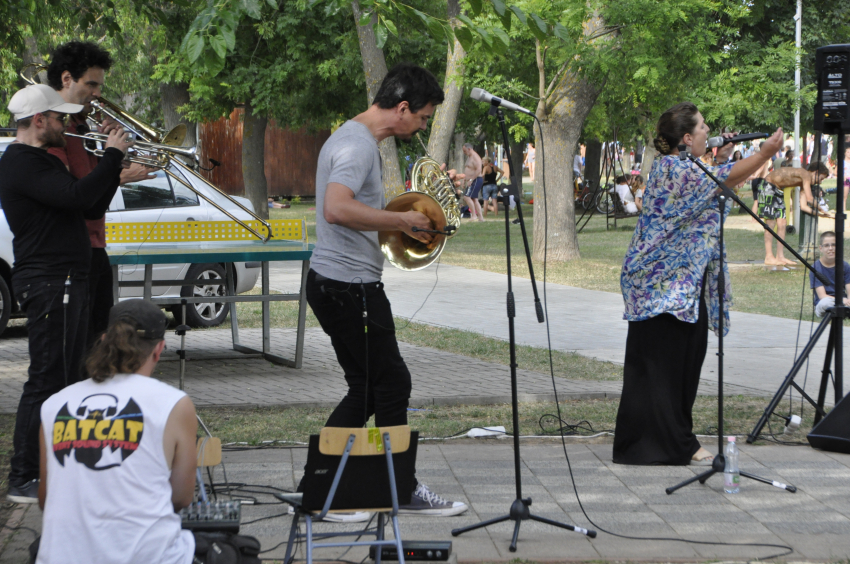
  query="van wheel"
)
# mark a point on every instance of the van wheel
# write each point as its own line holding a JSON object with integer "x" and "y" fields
{"x": 206, "y": 314}
{"x": 5, "y": 305}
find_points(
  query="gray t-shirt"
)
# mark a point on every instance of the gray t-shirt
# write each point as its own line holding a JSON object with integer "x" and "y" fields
{"x": 349, "y": 157}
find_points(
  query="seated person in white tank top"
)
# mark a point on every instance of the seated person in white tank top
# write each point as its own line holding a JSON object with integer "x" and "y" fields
{"x": 626, "y": 196}
{"x": 118, "y": 453}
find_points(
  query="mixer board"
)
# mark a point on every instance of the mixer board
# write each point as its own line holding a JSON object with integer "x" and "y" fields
{"x": 223, "y": 516}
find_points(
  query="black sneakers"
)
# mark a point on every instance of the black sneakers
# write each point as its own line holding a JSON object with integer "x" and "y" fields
{"x": 25, "y": 493}
{"x": 426, "y": 502}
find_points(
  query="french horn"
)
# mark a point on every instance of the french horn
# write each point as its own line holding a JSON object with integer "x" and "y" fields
{"x": 432, "y": 193}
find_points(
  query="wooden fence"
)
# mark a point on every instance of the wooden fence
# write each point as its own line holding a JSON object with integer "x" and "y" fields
{"x": 291, "y": 156}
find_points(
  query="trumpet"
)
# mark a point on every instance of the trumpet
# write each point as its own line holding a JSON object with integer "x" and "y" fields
{"x": 157, "y": 154}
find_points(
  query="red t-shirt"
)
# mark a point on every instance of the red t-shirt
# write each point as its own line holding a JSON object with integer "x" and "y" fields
{"x": 80, "y": 162}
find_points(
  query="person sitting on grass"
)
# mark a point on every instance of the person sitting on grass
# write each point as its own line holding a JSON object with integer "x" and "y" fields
{"x": 273, "y": 204}
{"x": 825, "y": 294}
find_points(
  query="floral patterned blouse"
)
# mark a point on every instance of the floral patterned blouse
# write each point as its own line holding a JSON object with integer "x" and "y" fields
{"x": 676, "y": 241}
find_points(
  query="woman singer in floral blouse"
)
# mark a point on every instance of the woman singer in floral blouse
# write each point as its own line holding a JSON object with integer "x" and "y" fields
{"x": 673, "y": 256}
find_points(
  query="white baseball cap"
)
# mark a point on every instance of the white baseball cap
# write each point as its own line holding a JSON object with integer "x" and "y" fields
{"x": 39, "y": 98}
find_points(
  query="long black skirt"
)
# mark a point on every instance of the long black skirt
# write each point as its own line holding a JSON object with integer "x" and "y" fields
{"x": 664, "y": 357}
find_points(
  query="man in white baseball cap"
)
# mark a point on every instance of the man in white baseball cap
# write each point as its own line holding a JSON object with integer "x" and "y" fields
{"x": 37, "y": 99}
{"x": 45, "y": 206}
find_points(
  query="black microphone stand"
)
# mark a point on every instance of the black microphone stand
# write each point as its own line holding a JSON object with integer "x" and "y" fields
{"x": 718, "y": 465}
{"x": 519, "y": 510}
{"x": 834, "y": 319}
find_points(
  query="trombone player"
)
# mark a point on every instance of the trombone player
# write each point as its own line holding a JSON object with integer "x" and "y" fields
{"x": 46, "y": 207}
{"x": 77, "y": 71}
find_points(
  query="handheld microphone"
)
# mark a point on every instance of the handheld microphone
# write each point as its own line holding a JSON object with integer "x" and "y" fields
{"x": 483, "y": 96}
{"x": 719, "y": 141}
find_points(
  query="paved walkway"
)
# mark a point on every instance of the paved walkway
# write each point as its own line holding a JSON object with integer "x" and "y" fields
{"x": 759, "y": 349}
{"x": 224, "y": 377}
{"x": 628, "y": 500}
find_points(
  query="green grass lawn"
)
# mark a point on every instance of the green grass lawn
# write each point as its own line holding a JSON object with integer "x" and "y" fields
{"x": 253, "y": 426}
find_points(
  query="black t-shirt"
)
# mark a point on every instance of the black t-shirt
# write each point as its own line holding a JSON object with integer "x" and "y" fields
{"x": 46, "y": 208}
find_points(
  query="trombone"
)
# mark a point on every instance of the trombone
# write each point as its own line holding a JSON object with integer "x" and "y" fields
{"x": 156, "y": 155}
{"x": 160, "y": 148}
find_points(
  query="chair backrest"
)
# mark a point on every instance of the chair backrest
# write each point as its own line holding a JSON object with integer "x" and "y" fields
{"x": 364, "y": 483}
{"x": 209, "y": 451}
{"x": 367, "y": 442}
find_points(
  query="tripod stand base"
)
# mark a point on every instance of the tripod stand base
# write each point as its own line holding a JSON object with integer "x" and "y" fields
{"x": 717, "y": 467}
{"x": 520, "y": 512}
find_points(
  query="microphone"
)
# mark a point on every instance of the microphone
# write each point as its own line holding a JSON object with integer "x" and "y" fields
{"x": 483, "y": 96}
{"x": 719, "y": 141}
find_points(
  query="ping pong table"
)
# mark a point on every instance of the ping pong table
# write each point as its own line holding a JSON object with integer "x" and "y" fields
{"x": 226, "y": 252}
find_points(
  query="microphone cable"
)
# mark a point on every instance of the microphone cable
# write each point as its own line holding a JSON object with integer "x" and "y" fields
{"x": 785, "y": 548}
{"x": 66, "y": 298}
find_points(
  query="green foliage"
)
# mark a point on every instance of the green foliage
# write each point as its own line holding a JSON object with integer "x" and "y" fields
{"x": 134, "y": 53}
{"x": 294, "y": 63}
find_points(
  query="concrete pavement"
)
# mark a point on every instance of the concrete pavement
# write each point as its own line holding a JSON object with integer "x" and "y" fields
{"x": 628, "y": 500}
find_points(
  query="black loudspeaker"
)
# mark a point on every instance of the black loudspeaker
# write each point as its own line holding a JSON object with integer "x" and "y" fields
{"x": 832, "y": 66}
{"x": 833, "y": 431}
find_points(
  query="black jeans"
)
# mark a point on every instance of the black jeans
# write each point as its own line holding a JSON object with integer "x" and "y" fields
{"x": 378, "y": 379}
{"x": 100, "y": 294}
{"x": 57, "y": 340}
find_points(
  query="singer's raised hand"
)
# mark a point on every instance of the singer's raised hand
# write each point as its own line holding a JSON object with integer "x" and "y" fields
{"x": 746, "y": 167}
{"x": 724, "y": 152}
{"x": 773, "y": 143}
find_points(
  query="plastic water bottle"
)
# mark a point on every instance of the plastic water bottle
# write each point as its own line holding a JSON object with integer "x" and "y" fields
{"x": 731, "y": 475}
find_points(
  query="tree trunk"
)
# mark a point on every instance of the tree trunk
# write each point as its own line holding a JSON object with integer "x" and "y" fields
{"x": 30, "y": 56}
{"x": 456, "y": 158}
{"x": 561, "y": 124}
{"x": 593, "y": 162}
{"x": 649, "y": 153}
{"x": 253, "y": 160}
{"x": 445, "y": 118}
{"x": 562, "y": 112}
{"x": 517, "y": 157}
{"x": 375, "y": 68}
{"x": 172, "y": 96}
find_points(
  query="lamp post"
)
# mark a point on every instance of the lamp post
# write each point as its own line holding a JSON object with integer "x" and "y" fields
{"x": 798, "y": 18}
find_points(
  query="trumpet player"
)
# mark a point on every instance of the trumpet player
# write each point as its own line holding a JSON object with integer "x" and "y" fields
{"x": 77, "y": 71}
{"x": 46, "y": 207}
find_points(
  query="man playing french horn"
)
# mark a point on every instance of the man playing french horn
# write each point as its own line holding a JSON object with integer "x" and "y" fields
{"x": 46, "y": 207}
{"x": 344, "y": 286}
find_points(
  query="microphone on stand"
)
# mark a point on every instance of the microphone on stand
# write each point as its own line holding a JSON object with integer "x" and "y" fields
{"x": 483, "y": 96}
{"x": 719, "y": 141}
